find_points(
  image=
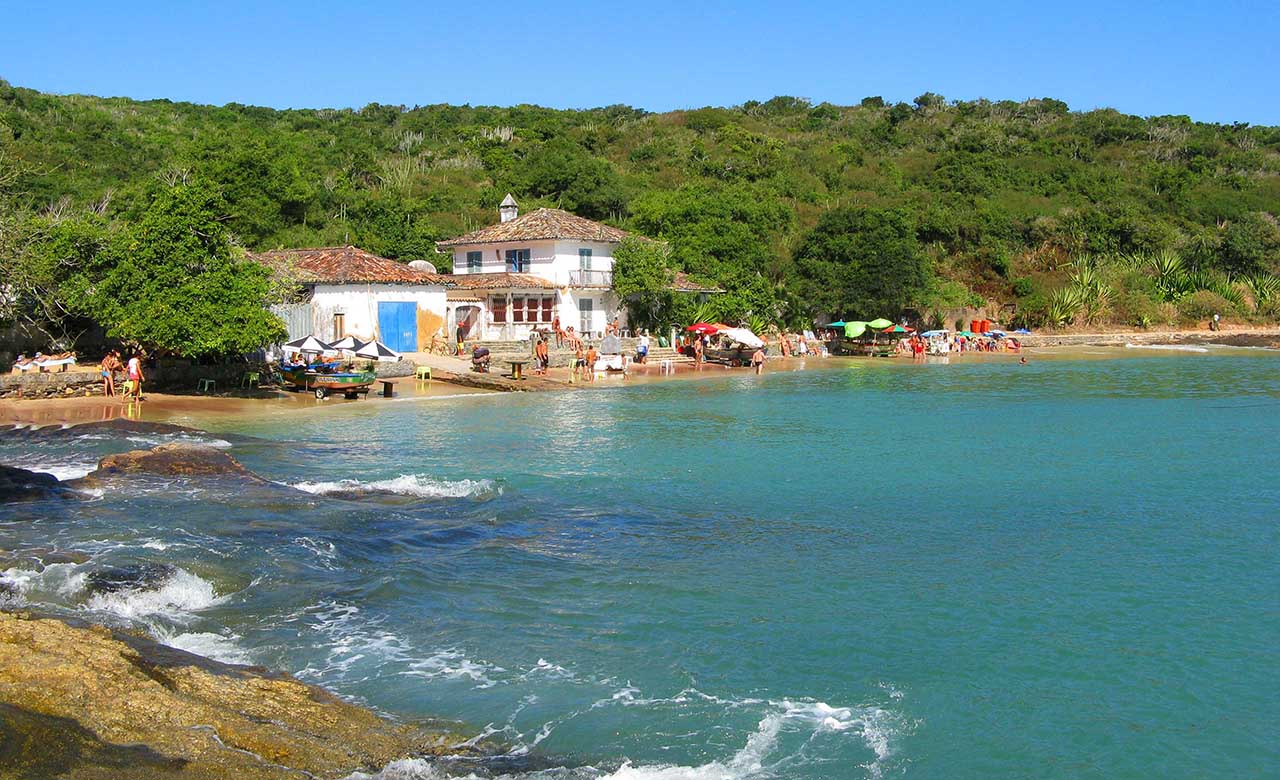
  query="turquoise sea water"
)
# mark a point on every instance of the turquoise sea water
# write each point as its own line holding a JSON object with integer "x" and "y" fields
{"x": 1066, "y": 569}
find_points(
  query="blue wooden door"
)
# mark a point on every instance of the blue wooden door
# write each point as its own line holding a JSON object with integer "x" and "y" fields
{"x": 398, "y": 323}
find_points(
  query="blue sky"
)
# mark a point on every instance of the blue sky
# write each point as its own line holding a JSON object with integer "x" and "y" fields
{"x": 1215, "y": 61}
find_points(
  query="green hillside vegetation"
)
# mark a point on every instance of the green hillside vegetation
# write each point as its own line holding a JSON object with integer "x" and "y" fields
{"x": 798, "y": 211}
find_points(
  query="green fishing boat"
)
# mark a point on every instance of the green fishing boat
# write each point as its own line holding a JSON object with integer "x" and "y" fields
{"x": 325, "y": 379}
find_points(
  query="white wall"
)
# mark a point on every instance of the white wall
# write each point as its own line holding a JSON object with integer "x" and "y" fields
{"x": 552, "y": 260}
{"x": 494, "y": 257}
{"x": 359, "y": 303}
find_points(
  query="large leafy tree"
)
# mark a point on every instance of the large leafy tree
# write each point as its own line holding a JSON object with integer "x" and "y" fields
{"x": 175, "y": 284}
{"x": 642, "y": 279}
{"x": 862, "y": 263}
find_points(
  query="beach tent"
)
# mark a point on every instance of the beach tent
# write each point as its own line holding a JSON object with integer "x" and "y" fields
{"x": 880, "y": 323}
{"x": 376, "y": 350}
{"x": 743, "y": 336}
{"x": 309, "y": 344}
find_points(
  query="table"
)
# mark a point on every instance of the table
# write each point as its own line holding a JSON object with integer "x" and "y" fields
{"x": 517, "y": 367}
{"x": 387, "y": 388}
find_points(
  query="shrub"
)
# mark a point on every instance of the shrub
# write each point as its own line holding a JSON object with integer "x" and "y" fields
{"x": 1203, "y": 304}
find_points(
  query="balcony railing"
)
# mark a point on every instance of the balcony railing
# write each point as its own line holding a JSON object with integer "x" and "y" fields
{"x": 591, "y": 278}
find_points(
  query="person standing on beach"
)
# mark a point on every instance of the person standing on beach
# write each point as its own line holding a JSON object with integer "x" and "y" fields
{"x": 543, "y": 354}
{"x": 579, "y": 361}
{"x": 757, "y": 360}
{"x": 462, "y": 337}
{"x": 135, "y": 377}
{"x": 642, "y": 347}
{"x": 697, "y": 353}
{"x": 591, "y": 364}
{"x": 110, "y": 365}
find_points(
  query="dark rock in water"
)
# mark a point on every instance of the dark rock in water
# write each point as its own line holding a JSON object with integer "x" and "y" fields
{"x": 19, "y": 484}
{"x": 137, "y": 576}
{"x": 9, "y": 594}
{"x": 82, "y": 701}
{"x": 119, "y": 426}
{"x": 169, "y": 460}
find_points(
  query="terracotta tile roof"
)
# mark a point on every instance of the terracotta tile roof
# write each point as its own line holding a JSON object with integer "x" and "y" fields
{"x": 344, "y": 265}
{"x": 540, "y": 225}
{"x": 500, "y": 281}
{"x": 682, "y": 283}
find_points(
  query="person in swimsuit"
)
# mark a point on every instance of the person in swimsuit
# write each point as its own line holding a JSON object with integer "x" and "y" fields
{"x": 590, "y": 363}
{"x": 579, "y": 361}
{"x": 110, "y": 364}
{"x": 757, "y": 359}
{"x": 543, "y": 354}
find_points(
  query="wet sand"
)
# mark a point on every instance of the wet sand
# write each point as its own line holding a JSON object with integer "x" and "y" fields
{"x": 199, "y": 411}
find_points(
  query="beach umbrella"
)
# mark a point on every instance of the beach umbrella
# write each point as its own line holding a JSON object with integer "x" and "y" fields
{"x": 378, "y": 351}
{"x": 742, "y": 336}
{"x": 879, "y": 323}
{"x": 897, "y": 329}
{"x": 308, "y": 344}
{"x": 1023, "y": 331}
{"x": 702, "y": 328}
{"x": 853, "y": 330}
{"x": 347, "y": 344}
{"x": 928, "y": 334}
{"x": 836, "y": 324}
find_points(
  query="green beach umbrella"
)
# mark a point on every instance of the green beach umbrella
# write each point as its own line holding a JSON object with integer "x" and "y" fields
{"x": 854, "y": 329}
{"x": 880, "y": 323}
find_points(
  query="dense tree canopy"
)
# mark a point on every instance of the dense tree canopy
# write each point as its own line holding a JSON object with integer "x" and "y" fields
{"x": 1004, "y": 198}
{"x": 862, "y": 263}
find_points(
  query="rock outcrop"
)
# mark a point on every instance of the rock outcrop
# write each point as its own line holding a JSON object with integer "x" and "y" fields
{"x": 86, "y": 702}
{"x": 19, "y": 484}
{"x": 172, "y": 460}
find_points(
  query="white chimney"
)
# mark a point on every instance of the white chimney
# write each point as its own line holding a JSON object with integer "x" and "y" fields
{"x": 508, "y": 210}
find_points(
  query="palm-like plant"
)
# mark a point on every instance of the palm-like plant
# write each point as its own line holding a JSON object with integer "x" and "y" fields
{"x": 1065, "y": 304}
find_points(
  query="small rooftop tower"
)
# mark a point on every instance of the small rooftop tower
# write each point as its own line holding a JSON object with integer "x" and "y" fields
{"x": 508, "y": 210}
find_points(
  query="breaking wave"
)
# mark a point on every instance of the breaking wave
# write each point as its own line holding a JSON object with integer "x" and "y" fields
{"x": 878, "y": 729}
{"x": 1169, "y": 347}
{"x": 175, "y": 597}
{"x": 404, "y": 485}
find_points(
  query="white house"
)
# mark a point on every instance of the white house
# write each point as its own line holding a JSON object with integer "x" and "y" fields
{"x": 350, "y": 291}
{"x": 522, "y": 273}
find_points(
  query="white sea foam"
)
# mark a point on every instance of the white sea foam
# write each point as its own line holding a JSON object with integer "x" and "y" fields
{"x": 63, "y": 470}
{"x": 179, "y": 438}
{"x": 176, "y": 597}
{"x": 215, "y": 646}
{"x": 1170, "y": 347}
{"x": 404, "y": 485}
{"x": 760, "y": 757}
{"x": 454, "y": 665}
{"x": 57, "y": 579}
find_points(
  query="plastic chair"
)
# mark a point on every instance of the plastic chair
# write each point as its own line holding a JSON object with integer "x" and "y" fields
{"x": 422, "y": 372}
{"x": 204, "y": 385}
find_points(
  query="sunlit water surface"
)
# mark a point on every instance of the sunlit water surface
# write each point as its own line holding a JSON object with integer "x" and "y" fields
{"x": 1065, "y": 569}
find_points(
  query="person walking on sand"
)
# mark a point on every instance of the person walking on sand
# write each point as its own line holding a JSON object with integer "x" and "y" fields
{"x": 135, "y": 377}
{"x": 757, "y": 360}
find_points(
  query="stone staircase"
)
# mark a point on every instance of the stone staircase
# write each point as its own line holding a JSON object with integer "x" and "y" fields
{"x": 562, "y": 357}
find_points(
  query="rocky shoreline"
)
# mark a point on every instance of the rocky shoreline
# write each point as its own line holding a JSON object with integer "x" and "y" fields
{"x": 85, "y": 701}
{"x": 82, "y": 700}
